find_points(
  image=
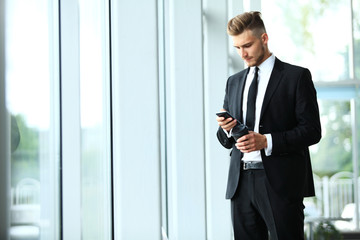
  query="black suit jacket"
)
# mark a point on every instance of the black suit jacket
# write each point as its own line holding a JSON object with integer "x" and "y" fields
{"x": 290, "y": 114}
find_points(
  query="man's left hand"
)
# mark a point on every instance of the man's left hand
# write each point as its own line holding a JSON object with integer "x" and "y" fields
{"x": 251, "y": 142}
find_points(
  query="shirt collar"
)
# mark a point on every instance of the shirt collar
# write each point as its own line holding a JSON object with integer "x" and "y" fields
{"x": 265, "y": 66}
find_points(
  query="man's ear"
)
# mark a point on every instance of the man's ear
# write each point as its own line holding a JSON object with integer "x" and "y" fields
{"x": 264, "y": 38}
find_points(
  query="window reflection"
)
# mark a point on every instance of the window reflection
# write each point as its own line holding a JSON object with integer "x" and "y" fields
{"x": 32, "y": 101}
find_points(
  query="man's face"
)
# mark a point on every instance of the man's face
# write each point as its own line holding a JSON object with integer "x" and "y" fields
{"x": 252, "y": 49}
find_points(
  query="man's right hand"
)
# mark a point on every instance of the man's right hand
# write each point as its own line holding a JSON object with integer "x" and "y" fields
{"x": 226, "y": 124}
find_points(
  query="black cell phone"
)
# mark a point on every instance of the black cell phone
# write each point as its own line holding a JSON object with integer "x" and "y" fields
{"x": 224, "y": 114}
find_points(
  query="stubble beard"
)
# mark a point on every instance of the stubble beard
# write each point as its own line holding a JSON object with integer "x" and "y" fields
{"x": 260, "y": 58}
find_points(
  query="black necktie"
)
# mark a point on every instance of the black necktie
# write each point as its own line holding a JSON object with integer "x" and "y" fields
{"x": 251, "y": 102}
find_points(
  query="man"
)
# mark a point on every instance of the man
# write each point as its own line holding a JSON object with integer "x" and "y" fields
{"x": 270, "y": 171}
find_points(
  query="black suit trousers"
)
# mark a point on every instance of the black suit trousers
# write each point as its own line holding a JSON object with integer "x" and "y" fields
{"x": 257, "y": 212}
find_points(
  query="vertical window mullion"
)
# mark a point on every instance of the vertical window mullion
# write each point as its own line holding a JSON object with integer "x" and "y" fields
{"x": 162, "y": 118}
{"x": 351, "y": 46}
{"x": 4, "y": 136}
{"x": 70, "y": 120}
{"x": 355, "y": 157}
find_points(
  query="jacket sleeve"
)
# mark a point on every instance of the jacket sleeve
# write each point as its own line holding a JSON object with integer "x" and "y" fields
{"x": 308, "y": 128}
{"x": 223, "y": 139}
{"x": 221, "y": 135}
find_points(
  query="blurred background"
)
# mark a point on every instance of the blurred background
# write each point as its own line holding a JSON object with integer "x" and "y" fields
{"x": 107, "y": 114}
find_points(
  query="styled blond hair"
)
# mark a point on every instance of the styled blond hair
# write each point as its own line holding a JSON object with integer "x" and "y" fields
{"x": 246, "y": 21}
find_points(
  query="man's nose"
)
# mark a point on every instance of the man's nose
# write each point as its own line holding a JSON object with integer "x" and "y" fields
{"x": 242, "y": 53}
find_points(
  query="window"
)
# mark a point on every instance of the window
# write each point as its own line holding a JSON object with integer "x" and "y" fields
{"x": 324, "y": 36}
{"x": 317, "y": 36}
{"x": 96, "y": 209}
{"x": 33, "y": 101}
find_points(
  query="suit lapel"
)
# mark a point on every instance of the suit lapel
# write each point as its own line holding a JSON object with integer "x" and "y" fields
{"x": 239, "y": 98}
{"x": 274, "y": 81}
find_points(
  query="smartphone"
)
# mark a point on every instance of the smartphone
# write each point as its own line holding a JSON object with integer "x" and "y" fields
{"x": 224, "y": 114}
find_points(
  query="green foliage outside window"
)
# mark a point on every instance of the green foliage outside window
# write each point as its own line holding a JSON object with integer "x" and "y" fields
{"x": 326, "y": 231}
{"x": 25, "y": 155}
{"x": 334, "y": 152}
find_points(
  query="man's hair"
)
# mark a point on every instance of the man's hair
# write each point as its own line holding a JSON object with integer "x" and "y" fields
{"x": 246, "y": 21}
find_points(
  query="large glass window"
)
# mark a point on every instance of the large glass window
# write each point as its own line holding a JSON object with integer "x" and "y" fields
{"x": 324, "y": 37}
{"x": 332, "y": 161}
{"x": 33, "y": 101}
{"x": 95, "y": 120}
{"x": 334, "y": 152}
{"x": 317, "y": 35}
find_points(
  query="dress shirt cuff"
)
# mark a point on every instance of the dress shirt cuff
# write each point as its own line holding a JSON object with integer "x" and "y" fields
{"x": 228, "y": 134}
{"x": 268, "y": 149}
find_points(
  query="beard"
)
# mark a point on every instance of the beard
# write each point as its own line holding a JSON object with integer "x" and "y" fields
{"x": 261, "y": 57}
{"x": 258, "y": 59}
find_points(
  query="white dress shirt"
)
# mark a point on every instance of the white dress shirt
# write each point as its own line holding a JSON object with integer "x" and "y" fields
{"x": 264, "y": 73}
